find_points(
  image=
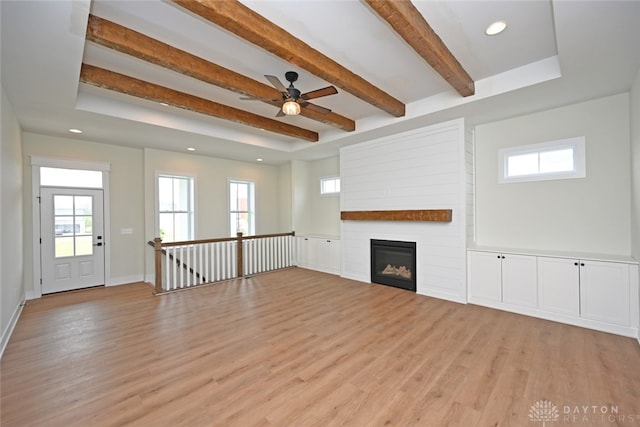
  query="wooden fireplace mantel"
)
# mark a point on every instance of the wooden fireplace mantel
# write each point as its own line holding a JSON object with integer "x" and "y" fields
{"x": 432, "y": 215}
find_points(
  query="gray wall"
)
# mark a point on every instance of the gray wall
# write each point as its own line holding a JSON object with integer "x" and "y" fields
{"x": 11, "y": 241}
{"x": 592, "y": 214}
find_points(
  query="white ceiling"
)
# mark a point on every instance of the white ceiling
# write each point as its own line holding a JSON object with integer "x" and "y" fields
{"x": 552, "y": 54}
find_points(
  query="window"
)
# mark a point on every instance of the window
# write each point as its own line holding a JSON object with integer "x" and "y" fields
{"x": 563, "y": 159}
{"x": 59, "y": 177}
{"x": 241, "y": 208}
{"x": 175, "y": 208}
{"x": 330, "y": 185}
{"x": 73, "y": 218}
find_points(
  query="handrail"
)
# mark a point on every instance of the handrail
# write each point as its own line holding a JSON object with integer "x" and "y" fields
{"x": 271, "y": 251}
{"x": 223, "y": 239}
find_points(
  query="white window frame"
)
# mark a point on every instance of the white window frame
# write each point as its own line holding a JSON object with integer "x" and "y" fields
{"x": 579, "y": 170}
{"x": 251, "y": 206}
{"x": 326, "y": 179}
{"x": 192, "y": 203}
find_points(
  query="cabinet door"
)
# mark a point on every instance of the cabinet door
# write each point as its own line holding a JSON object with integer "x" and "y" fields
{"x": 604, "y": 292}
{"x": 520, "y": 280}
{"x": 324, "y": 255}
{"x": 485, "y": 276}
{"x": 307, "y": 252}
{"x": 302, "y": 251}
{"x": 335, "y": 256}
{"x": 558, "y": 285}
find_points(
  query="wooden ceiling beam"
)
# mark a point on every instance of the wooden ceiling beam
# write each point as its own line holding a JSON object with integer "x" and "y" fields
{"x": 130, "y": 42}
{"x": 233, "y": 16}
{"x": 409, "y": 23}
{"x": 134, "y": 87}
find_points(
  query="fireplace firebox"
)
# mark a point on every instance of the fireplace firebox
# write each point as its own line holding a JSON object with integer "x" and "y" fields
{"x": 393, "y": 263}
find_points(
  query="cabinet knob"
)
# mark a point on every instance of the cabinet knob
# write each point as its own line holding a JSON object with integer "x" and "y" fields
{"x": 582, "y": 264}
{"x": 498, "y": 256}
{"x": 502, "y": 256}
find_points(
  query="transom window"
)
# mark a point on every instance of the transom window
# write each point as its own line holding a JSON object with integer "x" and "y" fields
{"x": 241, "y": 207}
{"x": 330, "y": 185}
{"x": 60, "y": 177}
{"x": 564, "y": 159}
{"x": 175, "y": 208}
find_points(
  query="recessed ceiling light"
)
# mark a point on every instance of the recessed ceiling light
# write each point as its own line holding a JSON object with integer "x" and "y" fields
{"x": 75, "y": 131}
{"x": 164, "y": 103}
{"x": 496, "y": 28}
{"x": 191, "y": 149}
{"x": 258, "y": 160}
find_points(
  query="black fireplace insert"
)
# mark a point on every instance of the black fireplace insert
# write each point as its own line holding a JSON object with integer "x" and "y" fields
{"x": 393, "y": 263}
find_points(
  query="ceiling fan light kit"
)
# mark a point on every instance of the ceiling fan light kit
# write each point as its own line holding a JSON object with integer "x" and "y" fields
{"x": 291, "y": 108}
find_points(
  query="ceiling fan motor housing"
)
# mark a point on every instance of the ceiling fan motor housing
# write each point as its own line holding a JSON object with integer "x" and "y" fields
{"x": 291, "y": 76}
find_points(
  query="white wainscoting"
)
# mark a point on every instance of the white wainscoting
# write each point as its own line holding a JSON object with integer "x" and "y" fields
{"x": 421, "y": 169}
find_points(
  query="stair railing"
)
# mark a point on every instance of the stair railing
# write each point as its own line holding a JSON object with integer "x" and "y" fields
{"x": 180, "y": 265}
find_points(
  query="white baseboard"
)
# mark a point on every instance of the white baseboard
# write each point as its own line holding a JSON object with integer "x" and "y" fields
{"x": 6, "y": 334}
{"x": 124, "y": 280}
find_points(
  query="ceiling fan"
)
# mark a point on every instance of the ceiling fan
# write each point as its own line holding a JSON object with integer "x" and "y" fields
{"x": 292, "y": 99}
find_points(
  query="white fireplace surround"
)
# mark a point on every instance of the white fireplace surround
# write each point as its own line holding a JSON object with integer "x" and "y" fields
{"x": 429, "y": 168}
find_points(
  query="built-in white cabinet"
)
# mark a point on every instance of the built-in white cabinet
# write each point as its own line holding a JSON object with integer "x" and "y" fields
{"x": 593, "y": 290}
{"x": 596, "y": 293}
{"x": 605, "y": 292}
{"x": 505, "y": 278}
{"x": 319, "y": 253}
{"x": 559, "y": 285}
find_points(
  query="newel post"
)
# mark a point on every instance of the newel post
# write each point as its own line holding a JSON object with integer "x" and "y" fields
{"x": 157, "y": 244}
{"x": 240, "y": 262}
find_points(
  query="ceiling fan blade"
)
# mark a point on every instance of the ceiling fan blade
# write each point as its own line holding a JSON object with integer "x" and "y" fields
{"x": 280, "y": 113}
{"x": 314, "y": 107}
{"x": 276, "y": 83}
{"x": 252, "y": 98}
{"x": 329, "y": 90}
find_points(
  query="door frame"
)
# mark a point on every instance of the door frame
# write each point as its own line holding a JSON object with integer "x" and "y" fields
{"x": 36, "y": 163}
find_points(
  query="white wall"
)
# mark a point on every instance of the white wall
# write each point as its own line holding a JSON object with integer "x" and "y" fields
{"x": 315, "y": 214}
{"x": 423, "y": 169}
{"x": 286, "y": 198}
{"x": 12, "y": 291}
{"x": 635, "y": 168}
{"x": 579, "y": 215}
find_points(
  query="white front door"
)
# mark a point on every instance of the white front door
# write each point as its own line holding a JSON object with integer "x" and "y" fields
{"x": 72, "y": 238}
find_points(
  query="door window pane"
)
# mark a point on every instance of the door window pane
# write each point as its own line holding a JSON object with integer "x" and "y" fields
{"x": 64, "y": 247}
{"x": 84, "y": 245}
{"x": 73, "y": 225}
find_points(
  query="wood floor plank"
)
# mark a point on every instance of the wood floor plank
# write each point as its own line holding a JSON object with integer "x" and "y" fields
{"x": 299, "y": 347}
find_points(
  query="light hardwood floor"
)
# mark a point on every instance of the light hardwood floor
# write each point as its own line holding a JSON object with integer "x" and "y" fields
{"x": 302, "y": 348}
